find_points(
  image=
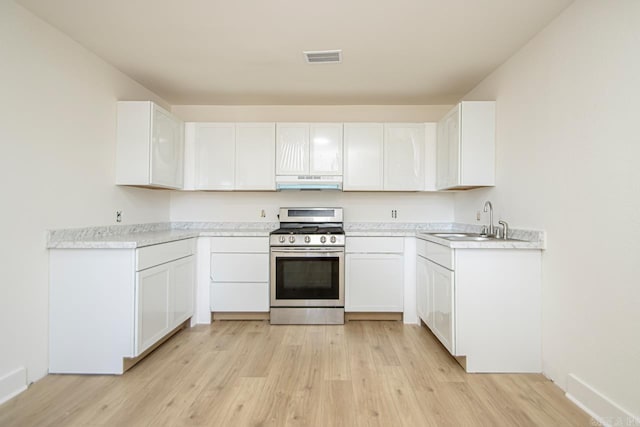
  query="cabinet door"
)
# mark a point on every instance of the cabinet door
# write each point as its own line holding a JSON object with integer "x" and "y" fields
{"x": 374, "y": 282}
{"x": 453, "y": 146}
{"x": 404, "y": 157}
{"x": 423, "y": 291}
{"x": 182, "y": 290}
{"x": 237, "y": 267}
{"x": 292, "y": 149}
{"x": 255, "y": 156}
{"x": 240, "y": 297}
{"x": 325, "y": 149}
{"x": 442, "y": 155}
{"x": 167, "y": 150}
{"x": 363, "y": 156}
{"x": 152, "y": 307}
{"x": 448, "y": 150}
{"x": 215, "y": 146}
{"x": 442, "y": 291}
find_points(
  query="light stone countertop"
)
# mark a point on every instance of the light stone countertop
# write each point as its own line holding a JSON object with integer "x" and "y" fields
{"x": 141, "y": 235}
{"x": 519, "y": 239}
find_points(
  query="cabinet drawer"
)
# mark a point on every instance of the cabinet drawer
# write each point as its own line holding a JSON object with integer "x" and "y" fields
{"x": 372, "y": 245}
{"x": 439, "y": 254}
{"x": 240, "y": 267}
{"x": 239, "y": 296}
{"x": 150, "y": 256}
{"x": 240, "y": 244}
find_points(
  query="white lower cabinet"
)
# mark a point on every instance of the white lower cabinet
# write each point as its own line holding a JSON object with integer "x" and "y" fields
{"x": 374, "y": 273}
{"x": 239, "y": 274}
{"x": 424, "y": 306}
{"x": 482, "y": 304}
{"x": 441, "y": 285}
{"x": 108, "y": 305}
{"x": 164, "y": 300}
{"x": 152, "y": 305}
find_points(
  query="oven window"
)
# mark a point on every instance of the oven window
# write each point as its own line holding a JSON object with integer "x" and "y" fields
{"x": 307, "y": 278}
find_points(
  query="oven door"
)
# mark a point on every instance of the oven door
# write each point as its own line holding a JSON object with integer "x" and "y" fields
{"x": 307, "y": 277}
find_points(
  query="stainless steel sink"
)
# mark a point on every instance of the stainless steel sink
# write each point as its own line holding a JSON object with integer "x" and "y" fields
{"x": 469, "y": 237}
{"x": 448, "y": 235}
{"x": 472, "y": 238}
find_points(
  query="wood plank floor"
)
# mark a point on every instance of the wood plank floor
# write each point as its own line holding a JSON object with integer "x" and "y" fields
{"x": 249, "y": 373}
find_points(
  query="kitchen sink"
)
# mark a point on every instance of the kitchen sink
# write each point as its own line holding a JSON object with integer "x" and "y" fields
{"x": 447, "y": 235}
{"x": 469, "y": 237}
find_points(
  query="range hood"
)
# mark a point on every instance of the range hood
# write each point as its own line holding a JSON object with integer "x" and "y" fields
{"x": 308, "y": 182}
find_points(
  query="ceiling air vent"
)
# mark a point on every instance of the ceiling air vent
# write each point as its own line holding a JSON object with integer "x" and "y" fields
{"x": 323, "y": 56}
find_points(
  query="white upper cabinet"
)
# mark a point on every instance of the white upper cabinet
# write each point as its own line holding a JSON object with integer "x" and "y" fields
{"x": 150, "y": 146}
{"x": 255, "y": 156}
{"x": 404, "y": 145}
{"x": 214, "y": 150}
{"x": 292, "y": 149}
{"x": 325, "y": 149}
{"x": 466, "y": 146}
{"x": 363, "y": 156}
{"x": 389, "y": 157}
{"x": 309, "y": 149}
{"x": 230, "y": 156}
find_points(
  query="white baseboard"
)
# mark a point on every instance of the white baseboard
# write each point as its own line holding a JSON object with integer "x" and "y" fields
{"x": 12, "y": 384}
{"x": 600, "y": 407}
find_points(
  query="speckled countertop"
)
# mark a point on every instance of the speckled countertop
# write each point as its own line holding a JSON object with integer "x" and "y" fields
{"x": 140, "y": 235}
{"x": 519, "y": 239}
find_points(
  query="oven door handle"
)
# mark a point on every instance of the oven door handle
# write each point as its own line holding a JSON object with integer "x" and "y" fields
{"x": 313, "y": 250}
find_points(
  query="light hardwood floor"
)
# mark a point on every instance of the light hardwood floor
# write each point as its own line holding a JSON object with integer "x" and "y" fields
{"x": 249, "y": 373}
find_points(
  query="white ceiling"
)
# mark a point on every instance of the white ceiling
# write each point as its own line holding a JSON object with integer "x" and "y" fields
{"x": 250, "y": 51}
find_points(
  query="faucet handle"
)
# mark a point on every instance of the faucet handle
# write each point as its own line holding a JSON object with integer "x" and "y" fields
{"x": 484, "y": 231}
{"x": 505, "y": 229}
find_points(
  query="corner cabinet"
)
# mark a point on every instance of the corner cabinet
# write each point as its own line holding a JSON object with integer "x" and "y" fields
{"x": 230, "y": 156}
{"x": 466, "y": 146}
{"x": 483, "y": 305}
{"x": 109, "y": 307}
{"x": 150, "y": 146}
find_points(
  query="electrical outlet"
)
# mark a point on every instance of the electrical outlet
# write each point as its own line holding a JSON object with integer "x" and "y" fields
{"x": 394, "y": 213}
{"x": 118, "y": 216}
{"x": 478, "y": 215}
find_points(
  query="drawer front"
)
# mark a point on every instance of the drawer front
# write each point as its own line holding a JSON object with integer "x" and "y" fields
{"x": 240, "y": 244}
{"x": 439, "y": 254}
{"x": 240, "y": 267}
{"x": 378, "y": 245}
{"x": 239, "y": 297}
{"x": 150, "y": 256}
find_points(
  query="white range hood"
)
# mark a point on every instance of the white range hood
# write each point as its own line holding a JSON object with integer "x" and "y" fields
{"x": 309, "y": 182}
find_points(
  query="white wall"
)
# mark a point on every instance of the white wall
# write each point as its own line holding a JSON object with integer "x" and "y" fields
{"x": 366, "y": 207}
{"x": 57, "y": 130}
{"x": 358, "y": 207}
{"x": 567, "y": 162}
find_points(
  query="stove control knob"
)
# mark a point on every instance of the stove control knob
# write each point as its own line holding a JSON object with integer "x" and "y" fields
{"x": 281, "y": 239}
{"x": 323, "y": 239}
{"x": 307, "y": 239}
{"x": 292, "y": 239}
{"x": 333, "y": 239}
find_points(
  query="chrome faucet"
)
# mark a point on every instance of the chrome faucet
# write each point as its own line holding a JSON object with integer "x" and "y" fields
{"x": 488, "y": 207}
{"x": 505, "y": 229}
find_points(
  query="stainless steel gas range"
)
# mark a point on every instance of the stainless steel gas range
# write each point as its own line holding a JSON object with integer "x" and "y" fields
{"x": 307, "y": 267}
